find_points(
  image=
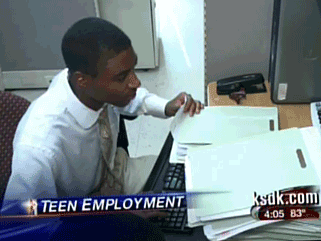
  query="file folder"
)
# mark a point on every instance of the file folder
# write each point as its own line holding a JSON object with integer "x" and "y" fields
{"x": 217, "y": 125}
{"x": 262, "y": 163}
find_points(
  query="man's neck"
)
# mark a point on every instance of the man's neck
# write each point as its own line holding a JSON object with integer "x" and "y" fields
{"x": 82, "y": 97}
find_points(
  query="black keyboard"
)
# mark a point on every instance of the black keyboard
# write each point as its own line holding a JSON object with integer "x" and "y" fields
{"x": 316, "y": 114}
{"x": 175, "y": 178}
{"x": 174, "y": 181}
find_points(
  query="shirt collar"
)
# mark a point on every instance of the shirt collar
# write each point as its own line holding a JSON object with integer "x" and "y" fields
{"x": 85, "y": 116}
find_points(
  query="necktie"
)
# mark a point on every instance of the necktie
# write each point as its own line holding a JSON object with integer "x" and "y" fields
{"x": 111, "y": 179}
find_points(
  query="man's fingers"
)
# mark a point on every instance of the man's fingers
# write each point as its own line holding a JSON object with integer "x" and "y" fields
{"x": 189, "y": 103}
{"x": 192, "y": 109}
{"x": 158, "y": 214}
{"x": 147, "y": 214}
{"x": 237, "y": 96}
{"x": 191, "y": 106}
{"x": 181, "y": 99}
{"x": 199, "y": 106}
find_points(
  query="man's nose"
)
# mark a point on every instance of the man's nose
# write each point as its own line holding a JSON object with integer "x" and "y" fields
{"x": 134, "y": 82}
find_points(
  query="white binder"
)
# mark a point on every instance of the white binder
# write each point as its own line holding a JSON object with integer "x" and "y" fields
{"x": 218, "y": 125}
{"x": 262, "y": 163}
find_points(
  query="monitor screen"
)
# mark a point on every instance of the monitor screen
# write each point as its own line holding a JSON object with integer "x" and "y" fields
{"x": 30, "y": 38}
{"x": 295, "y": 61}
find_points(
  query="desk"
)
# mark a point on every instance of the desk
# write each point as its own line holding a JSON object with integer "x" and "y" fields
{"x": 289, "y": 115}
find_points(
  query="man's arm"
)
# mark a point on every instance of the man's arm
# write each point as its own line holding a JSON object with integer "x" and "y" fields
{"x": 31, "y": 177}
{"x": 150, "y": 104}
{"x": 145, "y": 103}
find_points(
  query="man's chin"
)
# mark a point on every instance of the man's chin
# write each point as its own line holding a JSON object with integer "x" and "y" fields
{"x": 122, "y": 104}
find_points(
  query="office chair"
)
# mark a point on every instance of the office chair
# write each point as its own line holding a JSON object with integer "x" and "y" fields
{"x": 12, "y": 108}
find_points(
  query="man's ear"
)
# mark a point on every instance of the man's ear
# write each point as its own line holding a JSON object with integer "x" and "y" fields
{"x": 82, "y": 80}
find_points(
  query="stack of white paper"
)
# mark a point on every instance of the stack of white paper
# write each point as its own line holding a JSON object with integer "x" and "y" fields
{"x": 305, "y": 139}
{"x": 219, "y": 125}
{"x": 287, "y": 230}
{"x": 234, "y": 152}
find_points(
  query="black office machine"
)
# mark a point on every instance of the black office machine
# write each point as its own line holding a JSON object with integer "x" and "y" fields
{"x": 250, "y": 83}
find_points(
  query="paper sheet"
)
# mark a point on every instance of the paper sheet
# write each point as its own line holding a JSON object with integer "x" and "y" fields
{"x": 208, "y": 229}
{"x": 179, "y": 118}
{"x": 217, "y": 125}
{"x": 179, "y": 151}
{"x": 240, "y": 166}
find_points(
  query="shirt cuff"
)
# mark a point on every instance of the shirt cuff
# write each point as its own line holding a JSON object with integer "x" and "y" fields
{"x": 155, "y": 106}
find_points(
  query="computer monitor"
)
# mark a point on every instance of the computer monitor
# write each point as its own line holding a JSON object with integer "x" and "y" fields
{"x": 30, "y": 38}
{"x": 295, "y": 60}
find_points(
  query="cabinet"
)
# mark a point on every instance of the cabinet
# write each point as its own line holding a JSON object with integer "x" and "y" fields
{"x": 138, "y": 19}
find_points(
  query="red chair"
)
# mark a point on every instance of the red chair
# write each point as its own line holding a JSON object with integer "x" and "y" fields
{"x": 12, "y": 108}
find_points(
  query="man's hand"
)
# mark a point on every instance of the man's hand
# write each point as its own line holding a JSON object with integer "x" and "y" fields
{"x": 151, "y": 214}
{"x": 191, "y": 106}
{"x": 238, "y": 96}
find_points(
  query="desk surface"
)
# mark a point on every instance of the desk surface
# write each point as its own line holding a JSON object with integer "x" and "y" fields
{"x": 289, "y": 115}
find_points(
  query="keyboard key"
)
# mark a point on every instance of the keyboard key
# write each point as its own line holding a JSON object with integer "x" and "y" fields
{"x": 166, "y": 185}
{"x": 179, "y": 184}
{"x": 168, "y": 179}
{"x": 184, "y": 221}
{"x": 173, "y": 183}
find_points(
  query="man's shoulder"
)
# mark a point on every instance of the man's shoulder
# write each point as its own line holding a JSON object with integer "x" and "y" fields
{"x": 44, "y": 125}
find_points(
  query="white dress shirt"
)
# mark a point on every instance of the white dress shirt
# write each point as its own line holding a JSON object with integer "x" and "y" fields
{"x": 56, "y": 145}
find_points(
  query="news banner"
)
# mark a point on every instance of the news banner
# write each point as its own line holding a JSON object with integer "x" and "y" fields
{"x": 292, "y": 204}
{"x": 287, "y": 204}
{"x": 93, "y": 205}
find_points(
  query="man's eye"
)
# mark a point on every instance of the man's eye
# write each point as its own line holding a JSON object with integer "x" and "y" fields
{"x": 122, "y": 77}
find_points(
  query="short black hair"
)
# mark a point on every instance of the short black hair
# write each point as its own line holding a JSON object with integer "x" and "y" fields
{"x": 85, "y": 40}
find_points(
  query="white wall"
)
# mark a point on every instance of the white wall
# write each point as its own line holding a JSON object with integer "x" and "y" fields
{"x": 238, "y": 37}
{"x": 182, "y": 47}
{"x": 181, "y": 68}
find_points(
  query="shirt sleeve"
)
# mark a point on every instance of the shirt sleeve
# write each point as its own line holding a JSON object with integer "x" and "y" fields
{"x": 31, "y": 176}
{"x": 145, "y": 103}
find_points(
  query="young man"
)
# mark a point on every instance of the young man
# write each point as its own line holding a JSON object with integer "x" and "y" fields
{"x": 58, "y": 149}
